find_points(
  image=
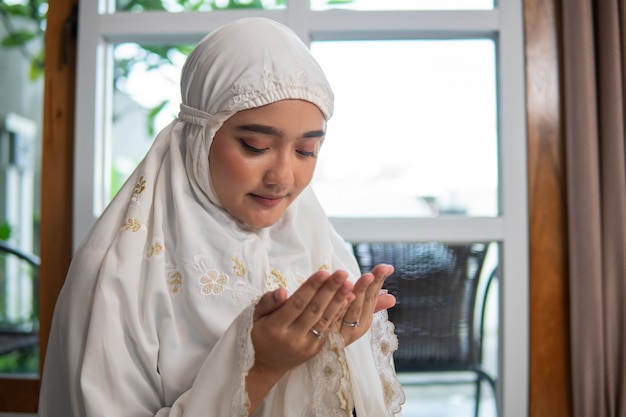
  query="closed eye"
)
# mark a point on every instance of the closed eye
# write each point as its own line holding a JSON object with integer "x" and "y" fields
{"x": 308, "y": 154}
{"x": 251, "y": 149}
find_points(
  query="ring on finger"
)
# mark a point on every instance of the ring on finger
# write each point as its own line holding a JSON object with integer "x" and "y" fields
{"x": 318, "y": 334}
{"x": 351, "y": 324}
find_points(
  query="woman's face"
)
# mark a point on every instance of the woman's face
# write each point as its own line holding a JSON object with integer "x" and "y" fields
{"x": 261, "y": 159}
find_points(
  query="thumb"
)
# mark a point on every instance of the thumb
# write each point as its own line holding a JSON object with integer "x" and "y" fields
{"x": 270, "y": 302}
{"x": 384, "y": 301}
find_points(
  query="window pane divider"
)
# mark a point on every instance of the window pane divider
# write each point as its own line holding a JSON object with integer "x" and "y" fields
{"x": 402, "y": 229}
{"x": 332, "y": 24}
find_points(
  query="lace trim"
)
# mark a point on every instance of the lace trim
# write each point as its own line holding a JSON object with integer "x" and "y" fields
{"x": 245, "y": 348}
{"x": 273, "y": 88}
{"x": 384, "y": 343}
{"x": 332, "y": 390}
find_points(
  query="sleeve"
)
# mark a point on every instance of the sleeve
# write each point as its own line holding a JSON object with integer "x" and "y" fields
{"x": 384, "y": 342}
{"x": 118, "y": 376}
{"x": 219, "y": 388}
{"x": 103, "y": 354}
{"x": 370, "y": 359}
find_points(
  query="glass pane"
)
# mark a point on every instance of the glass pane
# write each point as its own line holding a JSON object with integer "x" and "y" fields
{"x": 446, "y": 321}
{"x": 422, "y": 141}
{"x": 139, "y": 109}
{"x": 21, "y": 104}
{"x": 402, "y": 4}
{"x": 415, "y": 128}
{"x": 19, "y": 324}
{"x": 195, "y": 5}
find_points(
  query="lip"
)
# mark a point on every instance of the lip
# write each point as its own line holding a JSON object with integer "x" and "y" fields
{"x": 267, "y": 200}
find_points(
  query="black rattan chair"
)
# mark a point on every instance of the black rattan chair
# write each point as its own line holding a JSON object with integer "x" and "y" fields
{"x": 17, "y": 336}
{"x": 436, "y": 317}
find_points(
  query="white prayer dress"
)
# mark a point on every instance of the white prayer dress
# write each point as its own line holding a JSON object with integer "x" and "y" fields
{"x": 155, "y": 316}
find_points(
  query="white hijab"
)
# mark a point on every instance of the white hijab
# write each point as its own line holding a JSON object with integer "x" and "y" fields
{"x": 155, "y": 316}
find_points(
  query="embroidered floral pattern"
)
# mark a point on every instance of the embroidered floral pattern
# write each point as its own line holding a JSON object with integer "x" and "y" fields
{"x": 175, "y": 281}
{"x": 155, "y": 249}
{"x": 132, "y": 225}
{"x": 323, "y": 267}
{"x": 212, "y": 282}
{"x": 215, "y": 282}
{"x": 242, "y": 96}
{"x": 275, "y": 280}
{"x": 332, "y": 390}
{"x": 140, "y": 186}
{"x": 239, "y": 268}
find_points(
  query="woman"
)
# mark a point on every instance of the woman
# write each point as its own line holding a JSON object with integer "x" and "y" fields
{"x": 205, "y": 288}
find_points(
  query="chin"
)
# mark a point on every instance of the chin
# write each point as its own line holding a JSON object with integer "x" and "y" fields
{"x": 262, "y": 225}
{"x": 257, "y": 223}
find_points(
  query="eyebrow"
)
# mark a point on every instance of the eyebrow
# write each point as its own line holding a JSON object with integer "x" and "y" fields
{"x": 269, "y": 130}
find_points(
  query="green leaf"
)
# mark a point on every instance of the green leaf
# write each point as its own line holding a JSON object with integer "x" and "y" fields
{"x": 160, "y": 51}
{"x": 152, "y": 5}
{"x": 37, "y": 66}
{"x": 5, "y": 231}
{"x": 239, "y": 4}
{"x": 141, "y": 5}
{"x": 152, "y": 114}
{"x": 17, "y": 38}
{"x": 339, "y": 2}
{"x": 15, "y": 9}
{"x": 184, "y": 49}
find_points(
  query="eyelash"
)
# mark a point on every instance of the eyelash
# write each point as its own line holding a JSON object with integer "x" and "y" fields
{"x": 307, "y": 154}
{"x": 251, "y": 149}
{"x": 257, "y": 151}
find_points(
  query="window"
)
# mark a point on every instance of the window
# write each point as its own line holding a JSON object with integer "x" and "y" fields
{"x": 445, "y": 85}
{"x": 414, "y": 131}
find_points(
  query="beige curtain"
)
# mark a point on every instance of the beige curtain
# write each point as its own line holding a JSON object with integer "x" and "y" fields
{"x": 594, "y": 70}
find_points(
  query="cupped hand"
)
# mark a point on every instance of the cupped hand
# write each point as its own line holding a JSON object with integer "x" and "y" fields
{"x": 281, "y": 332}
{"x": 358, "y": 316}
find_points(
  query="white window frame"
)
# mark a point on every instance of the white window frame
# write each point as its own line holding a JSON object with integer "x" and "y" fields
{"x": 504, "y": 24}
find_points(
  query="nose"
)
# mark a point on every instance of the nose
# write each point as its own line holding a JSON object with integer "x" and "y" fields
{"x": 280, "y": 170}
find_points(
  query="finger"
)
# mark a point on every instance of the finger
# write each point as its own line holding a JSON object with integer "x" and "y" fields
{"x": 336, "y": 307}
{"x": 383, "y": 269}
{"x": 384, "y": 302}
{"x": 367, "y": 290}
{"x": 380, "y": 272}
{"x": 326, "y": 302}
{"x": 352, "y": 316}
{"x": 300, "y": 299}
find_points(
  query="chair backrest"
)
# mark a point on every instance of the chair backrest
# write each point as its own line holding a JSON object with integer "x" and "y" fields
{"x": 19, "y": 283}
{"x": 435, "y": 286}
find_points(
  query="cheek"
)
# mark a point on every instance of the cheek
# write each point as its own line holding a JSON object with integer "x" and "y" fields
{"x": 304, "y": 173}
{"x": 220, "y": 166}
{"x": 229, "y": 171}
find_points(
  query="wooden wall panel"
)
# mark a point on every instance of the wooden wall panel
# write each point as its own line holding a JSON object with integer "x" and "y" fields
{"x": 57, "y": 161}
{"x": 550, "y": 394}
